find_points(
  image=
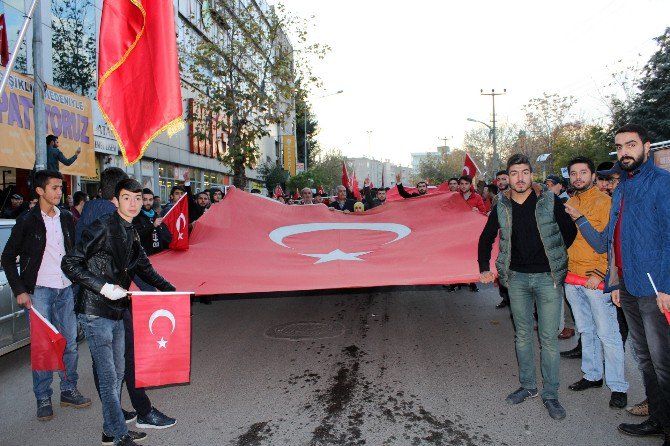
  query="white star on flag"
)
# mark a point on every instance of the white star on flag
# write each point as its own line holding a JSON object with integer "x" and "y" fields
{"x": 337, "y": 255}
{"x": 162, "y": 343}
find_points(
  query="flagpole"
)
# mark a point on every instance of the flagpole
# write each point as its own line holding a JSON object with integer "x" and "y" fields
{"x": 17, "y": 45}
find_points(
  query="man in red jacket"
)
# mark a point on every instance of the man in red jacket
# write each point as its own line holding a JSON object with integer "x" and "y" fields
{"x": 469, "y": 195}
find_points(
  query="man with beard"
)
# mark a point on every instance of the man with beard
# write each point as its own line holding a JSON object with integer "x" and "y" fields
{"x": 379, "y": 198}
{"x": 595, "y": 314}
{"x": 502, "y": 181}
{"x": 154, "y": 236}
{"x": 638, "y": 253}
{"x": 421, "y": 188}
{"x": 535, "y": 232}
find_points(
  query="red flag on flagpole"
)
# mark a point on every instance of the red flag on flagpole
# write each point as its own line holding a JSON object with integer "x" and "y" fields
{"x": 354, "y": 188}
{"x": 176, "y": 221}
{"x": 4, "y": 43}
{"x": 46, "y": 344}
{"x": 278, "y": 191}
{"x": 162, "y": 330}
{"x": 138, "y": 86}
{"x": 469, "y": 167}
{"x": 346, "y": 182}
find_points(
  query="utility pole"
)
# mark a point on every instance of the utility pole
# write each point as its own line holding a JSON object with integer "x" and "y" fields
{"x": 38, "y": 92}
{"x": 493, "y": 95}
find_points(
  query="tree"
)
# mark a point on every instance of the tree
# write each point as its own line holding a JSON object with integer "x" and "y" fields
{"x": 74, "y": 48}
{"x": 651, "y": 108}
{"x": 304, "y": 115}
{"x": 544, "y": 118}
{"x": 579, "y": 139}
{"x": 326, "y": 172}
{"x": 272, "y": 174}
{"x": 245, "y": 69}
{"x": 478, "y": 143}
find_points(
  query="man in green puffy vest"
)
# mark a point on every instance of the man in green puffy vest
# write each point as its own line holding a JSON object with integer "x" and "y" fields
{"x": 535, "y": 232}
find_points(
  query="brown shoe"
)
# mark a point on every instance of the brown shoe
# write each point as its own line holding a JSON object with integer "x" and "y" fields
{"x": 567, "y": 333}
{"x": 640, "y": 409}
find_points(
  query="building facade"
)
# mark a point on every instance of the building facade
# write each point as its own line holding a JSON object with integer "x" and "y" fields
{"x": 71, "y": 63}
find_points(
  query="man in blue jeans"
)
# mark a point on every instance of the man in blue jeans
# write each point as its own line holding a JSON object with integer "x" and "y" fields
{"x": 637, "y": 242}
{"x": 40, "y": 238}
{"x": 535, "y": 232}
{"x": 103, "y": 263}
{"x": 595, "y": 314}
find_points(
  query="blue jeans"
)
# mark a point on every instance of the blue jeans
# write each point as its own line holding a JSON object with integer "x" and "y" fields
{"x": 105, "y": 339}
{"x": 527, "y": 290}
{"x": 650, "y": 333}
{"x": 57, "y": 306}
{"x": 596, "y": 320}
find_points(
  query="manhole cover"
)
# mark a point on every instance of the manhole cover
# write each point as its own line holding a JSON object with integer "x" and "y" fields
{"x": 305, "y": 330}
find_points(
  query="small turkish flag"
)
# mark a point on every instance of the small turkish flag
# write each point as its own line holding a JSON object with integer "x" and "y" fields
{"x": 574, "y": 279}
{"x": 354, "y": 188}
{"x": 469, "y": 166}
{"x": 176, "y": 221}
{"x": 46, "y": 344}
{"x": 278, "y": 191}
{"x": 162, "y": 330}
{"x": 346, "y": 182}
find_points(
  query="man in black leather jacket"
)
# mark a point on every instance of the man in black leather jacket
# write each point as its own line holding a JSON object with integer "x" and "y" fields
{"x": 103, "y": 263}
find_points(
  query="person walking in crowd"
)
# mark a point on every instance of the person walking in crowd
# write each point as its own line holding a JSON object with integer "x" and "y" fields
{"x": 154, "y": 235}
{"x": 502, "y": 181}
{"x": 79, "y": 199}
{"x": 421, "y": 188}
{"x": 94, "y": 209}
{"x": 55, "y": 156}
{"x": 373, "y": 198}
{"x": 535, "y": 232}
{"x": 175, "y": 194}
{"x": 593, "y": 310}
{"x": 103, "y": 263}
{"x": 216, "y": 195}
{"x": 468, "y": 193}
{"x": 555, "y": 184}
{"x": 307, "y": 196}
{"x": 638, "y": 260}
{"x": 40, "y": 239}
{"x": 453, "y": 184}
{"x": 15, "y": 207}
{"x": 341, "y": 202}
{"x": 602, "y": 177}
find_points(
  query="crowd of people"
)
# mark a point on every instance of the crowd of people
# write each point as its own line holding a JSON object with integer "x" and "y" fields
{"x": 78, "y": 258}
{"x": 609, "y": 227}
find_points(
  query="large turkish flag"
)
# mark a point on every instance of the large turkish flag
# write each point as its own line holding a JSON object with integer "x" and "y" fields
{"x": 248, "y": 243}
{"x": 162, "y": 331}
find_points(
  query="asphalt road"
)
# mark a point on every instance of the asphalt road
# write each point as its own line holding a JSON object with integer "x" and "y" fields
{"x": 401, "y": 366}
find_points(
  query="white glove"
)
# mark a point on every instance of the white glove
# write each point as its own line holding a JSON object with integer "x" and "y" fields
{"x": 113, "y": 292}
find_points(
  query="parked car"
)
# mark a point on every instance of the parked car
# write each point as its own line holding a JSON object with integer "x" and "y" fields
{"x": 14, "y": 328}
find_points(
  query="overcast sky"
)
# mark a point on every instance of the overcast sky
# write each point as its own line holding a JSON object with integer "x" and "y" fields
{"x": 411, "y": 72}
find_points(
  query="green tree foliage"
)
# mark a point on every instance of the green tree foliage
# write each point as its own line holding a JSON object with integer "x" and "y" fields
{"x": 304, "y": 116}
{"x": 578, "y": 139}
{"x": 479, "y": 144}
{"x": 326, "y": 172}
{"x": 651, "y": 108}
{"x": 272, "y": 174}
{"x": 245, "y": 69}
{"x": 74, "y": 48}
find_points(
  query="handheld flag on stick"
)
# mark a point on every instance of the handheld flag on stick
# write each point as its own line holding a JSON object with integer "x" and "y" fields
{"x": 46, "y": 344}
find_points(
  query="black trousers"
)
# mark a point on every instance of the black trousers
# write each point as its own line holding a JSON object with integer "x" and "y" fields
{"x": 650, "y": 333}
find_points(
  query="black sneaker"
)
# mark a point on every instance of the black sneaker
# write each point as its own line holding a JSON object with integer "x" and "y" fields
{"x": 73, "y": 398}
{"x": 618, "y": 400}
{"x": 154, "y": 420}
{"x": 134, "y": 436}
{"x": 126, "y": 440}
{"x": 129, "y": 416}
{"x": 44, "y": 410}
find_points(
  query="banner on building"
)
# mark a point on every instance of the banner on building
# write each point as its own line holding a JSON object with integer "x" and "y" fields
{"x": 68, "y": 116}
{"x": 290, "y": 152}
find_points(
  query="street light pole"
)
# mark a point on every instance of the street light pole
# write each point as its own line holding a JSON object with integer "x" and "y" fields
{"x": 493, "y": 95}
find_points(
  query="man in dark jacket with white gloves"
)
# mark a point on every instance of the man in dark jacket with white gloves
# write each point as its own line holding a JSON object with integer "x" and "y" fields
{"x": 103, "y": 263}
